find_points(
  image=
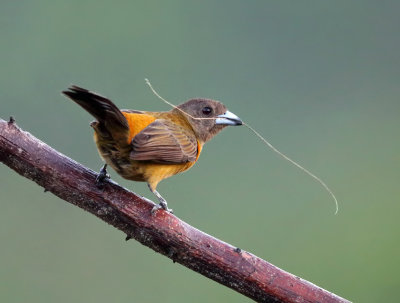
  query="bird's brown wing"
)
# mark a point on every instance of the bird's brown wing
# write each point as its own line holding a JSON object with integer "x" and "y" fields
{"x": 164, "y": 142}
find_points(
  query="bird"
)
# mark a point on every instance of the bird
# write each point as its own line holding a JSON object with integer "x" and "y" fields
{"x": 150, "y": 146}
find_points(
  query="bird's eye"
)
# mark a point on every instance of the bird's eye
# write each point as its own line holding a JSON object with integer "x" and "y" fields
{"x": 207, "y": 110}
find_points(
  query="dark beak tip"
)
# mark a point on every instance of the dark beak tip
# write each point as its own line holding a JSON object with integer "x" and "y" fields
{"x": 228, "y": 118}
{"x": 237, "y": 121}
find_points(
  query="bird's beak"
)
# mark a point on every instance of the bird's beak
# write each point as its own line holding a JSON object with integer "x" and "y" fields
{"x": 228, "y": 118}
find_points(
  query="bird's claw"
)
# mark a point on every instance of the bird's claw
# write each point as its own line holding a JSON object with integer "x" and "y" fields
{"x": 162, "y": 205}
{"x": 102, "y": 177}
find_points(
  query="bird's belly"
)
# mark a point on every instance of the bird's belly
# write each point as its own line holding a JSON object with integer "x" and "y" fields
{"x": 151, "y": 172}
{"x": 144, "y": 171}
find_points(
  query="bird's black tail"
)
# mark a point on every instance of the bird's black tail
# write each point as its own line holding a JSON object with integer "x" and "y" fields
{"x": 98, "y": 106}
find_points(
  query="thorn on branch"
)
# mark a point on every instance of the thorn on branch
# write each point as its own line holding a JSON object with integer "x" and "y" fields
{"x": 238, "y": 250}
{"x": 171, "y": 253}
{"x": 11, "y": 120}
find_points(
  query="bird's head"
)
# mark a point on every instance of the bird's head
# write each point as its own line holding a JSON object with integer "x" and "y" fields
{"x": 207, "y": 117}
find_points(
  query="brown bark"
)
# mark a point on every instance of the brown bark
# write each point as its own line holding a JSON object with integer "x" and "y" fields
{"x": 162, "y": 232}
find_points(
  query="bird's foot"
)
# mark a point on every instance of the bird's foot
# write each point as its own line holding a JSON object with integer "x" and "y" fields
{"x": 102, "y": 177}
{"x": 163, "y": 205}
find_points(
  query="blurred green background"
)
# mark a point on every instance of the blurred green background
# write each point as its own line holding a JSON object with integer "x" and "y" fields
{"x": 320, "y": 79}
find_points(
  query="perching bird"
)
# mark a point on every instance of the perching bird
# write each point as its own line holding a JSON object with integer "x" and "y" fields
{"x": 151, "y": 146}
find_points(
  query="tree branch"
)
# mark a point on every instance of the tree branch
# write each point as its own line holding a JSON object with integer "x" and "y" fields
{"x": 163, "y": 232}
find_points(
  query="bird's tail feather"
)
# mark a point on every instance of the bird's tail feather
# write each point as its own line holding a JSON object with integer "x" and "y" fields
{"x": 98, "y": 106}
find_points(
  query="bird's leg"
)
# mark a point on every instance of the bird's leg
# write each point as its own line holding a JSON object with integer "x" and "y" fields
{"x": 102, "y": 177}
{"x": 163, "y": 204}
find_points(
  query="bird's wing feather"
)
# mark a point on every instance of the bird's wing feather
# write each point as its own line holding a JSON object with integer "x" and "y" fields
{"x": 164, "y": 142}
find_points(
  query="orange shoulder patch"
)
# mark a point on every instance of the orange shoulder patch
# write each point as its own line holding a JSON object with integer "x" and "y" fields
{"x": 137, "y": 122}
{"x": 199, "y": 147}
